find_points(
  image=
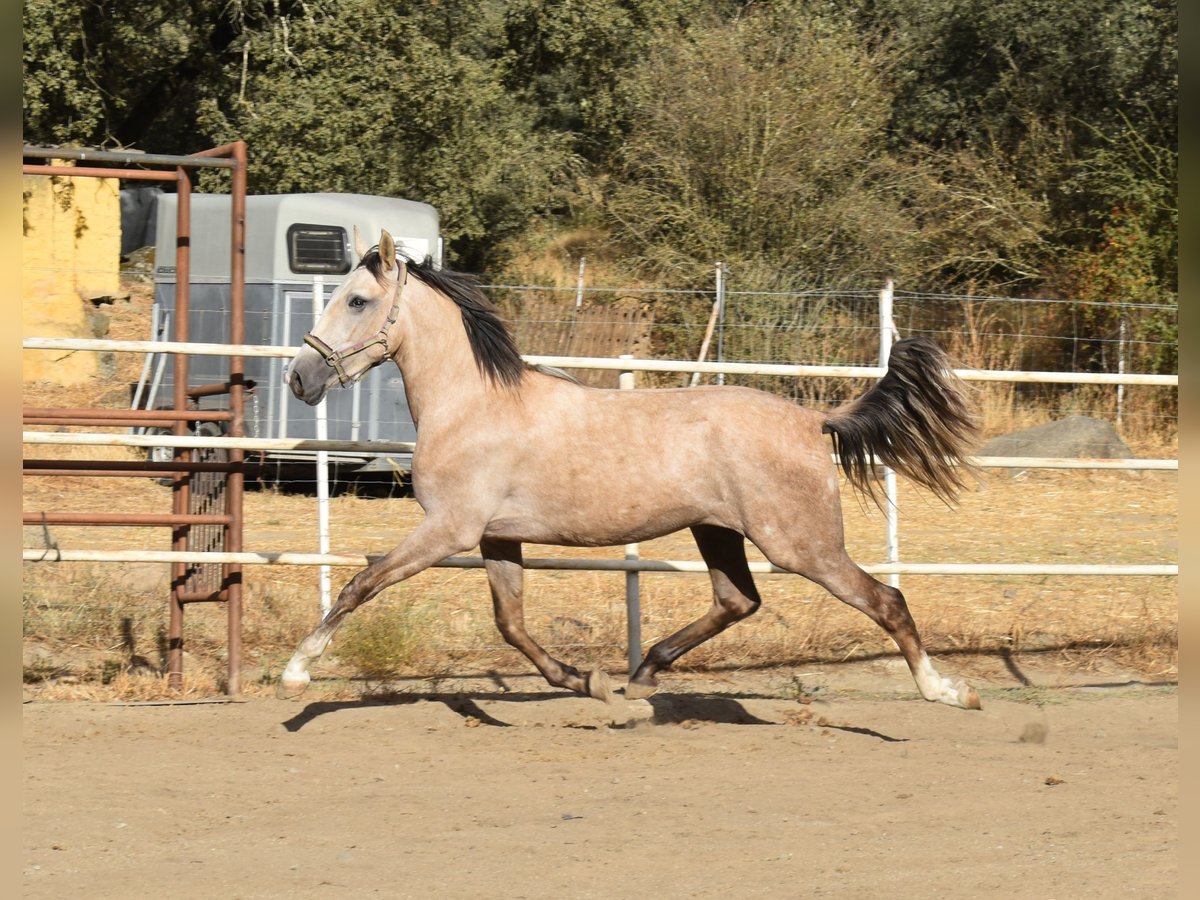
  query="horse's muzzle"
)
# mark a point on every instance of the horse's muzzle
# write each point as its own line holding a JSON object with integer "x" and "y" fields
{"x": 308, "y": 377}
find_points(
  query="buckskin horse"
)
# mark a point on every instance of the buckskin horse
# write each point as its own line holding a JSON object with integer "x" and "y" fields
{"x": 509, "y": 453}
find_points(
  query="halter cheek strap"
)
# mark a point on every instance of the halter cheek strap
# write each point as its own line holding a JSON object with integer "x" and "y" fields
{"x": 335, "y": 358}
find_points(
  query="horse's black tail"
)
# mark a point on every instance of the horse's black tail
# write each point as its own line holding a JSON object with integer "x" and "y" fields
{"x": 917, "y": 420}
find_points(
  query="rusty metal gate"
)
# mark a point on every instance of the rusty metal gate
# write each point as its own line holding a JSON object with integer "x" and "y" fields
{"x": 207, "y": 485}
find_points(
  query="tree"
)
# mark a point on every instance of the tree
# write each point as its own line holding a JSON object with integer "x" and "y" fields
{"x": 363, "y": 99}
{"x": 995, "y": 143}
{"x": 568, "y": 58}
{"x": 1076, "y": 101}
{"x": 759, "y": 142}
{"x": 101, "y": 73}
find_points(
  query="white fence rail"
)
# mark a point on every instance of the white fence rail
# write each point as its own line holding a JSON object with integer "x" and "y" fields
{"x": 625, "y": 365}
{"x": 892, "y": 567}
{"x": 291, "y": 558}
{"x": 329, "y": 446}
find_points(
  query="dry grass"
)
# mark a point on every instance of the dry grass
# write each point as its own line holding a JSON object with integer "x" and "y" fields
{"x": 101, "y": 616}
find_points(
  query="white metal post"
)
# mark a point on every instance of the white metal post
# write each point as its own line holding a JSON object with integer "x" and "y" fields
{"x": 355, "y": 410}
{"x": 887, "y": 336}
{"x": 318, "y": 306}
{"x": 1121, "y": 370}
{"x": 287, "y": 337}
{"x": 720, "y": 319}
{"x": 633, "y": 586}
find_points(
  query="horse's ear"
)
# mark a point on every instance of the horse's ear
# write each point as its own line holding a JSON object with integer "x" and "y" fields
{"x": 360, "y": 246}
{"x": 387, "y": 250}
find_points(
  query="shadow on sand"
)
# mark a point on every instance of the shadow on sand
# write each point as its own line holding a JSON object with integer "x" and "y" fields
{"x": 668, "y": 709}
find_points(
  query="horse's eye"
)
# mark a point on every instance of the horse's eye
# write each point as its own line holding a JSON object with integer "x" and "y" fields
{"x": 357, "y": 302}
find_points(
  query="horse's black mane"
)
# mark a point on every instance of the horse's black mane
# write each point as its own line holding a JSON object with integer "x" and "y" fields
{"x": 493, "y": 346}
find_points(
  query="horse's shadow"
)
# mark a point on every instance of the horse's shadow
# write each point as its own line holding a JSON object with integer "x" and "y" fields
{"x": 668, "y": 709}
{"x": 462, "y": 703}
{"x": 717, "y": 709}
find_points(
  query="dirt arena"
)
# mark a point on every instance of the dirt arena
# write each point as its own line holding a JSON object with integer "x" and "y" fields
{"x": 816, "y": 778}
{"x": 1062, "y": 786}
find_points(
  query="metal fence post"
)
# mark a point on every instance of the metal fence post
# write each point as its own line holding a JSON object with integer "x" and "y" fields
{"x": 1121, "y": 347}
{"x": 318, "y": 307}
{"x": 720, "y": 319}
{"x": 633, "y": 585}
{"x": 887, "y": 336}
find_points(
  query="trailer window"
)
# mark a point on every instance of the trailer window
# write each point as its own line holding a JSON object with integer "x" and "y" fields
{"x": 321, "y": 249}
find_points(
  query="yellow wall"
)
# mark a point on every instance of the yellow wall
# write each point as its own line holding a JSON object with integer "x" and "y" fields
{"x": 71, "y": 253}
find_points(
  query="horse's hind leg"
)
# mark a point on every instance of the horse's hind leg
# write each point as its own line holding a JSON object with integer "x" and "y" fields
{"x": 506, "y": 578}
{"x": 734, "y": 598}
{"x": 885, "y": 605}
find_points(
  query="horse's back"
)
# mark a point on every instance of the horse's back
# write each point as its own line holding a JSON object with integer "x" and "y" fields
{"x": 702, "y": 418}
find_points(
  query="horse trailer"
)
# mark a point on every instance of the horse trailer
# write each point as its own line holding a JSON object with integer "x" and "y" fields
{"x": 296, "y": 244}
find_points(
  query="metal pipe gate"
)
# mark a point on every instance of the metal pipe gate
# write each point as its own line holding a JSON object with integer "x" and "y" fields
{"x": 207, "y": 485}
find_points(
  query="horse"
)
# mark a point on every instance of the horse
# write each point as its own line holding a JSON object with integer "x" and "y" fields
{"x": 508, "y": 453}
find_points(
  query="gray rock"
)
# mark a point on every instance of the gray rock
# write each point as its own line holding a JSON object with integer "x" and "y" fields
{"x": 1073, "y": 437}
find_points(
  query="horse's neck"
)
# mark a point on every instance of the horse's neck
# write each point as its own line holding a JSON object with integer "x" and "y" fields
{"x": 441, "y": 378}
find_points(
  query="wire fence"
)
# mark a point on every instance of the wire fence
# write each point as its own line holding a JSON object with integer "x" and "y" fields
{"x": 842, "y": 328}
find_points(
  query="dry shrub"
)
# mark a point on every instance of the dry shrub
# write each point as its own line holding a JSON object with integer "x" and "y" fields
{"x": 382, "y": 641}
{"x": 198, "y": 684}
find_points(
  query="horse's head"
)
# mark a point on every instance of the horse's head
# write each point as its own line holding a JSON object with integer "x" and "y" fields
{"x": 354, "y": 333}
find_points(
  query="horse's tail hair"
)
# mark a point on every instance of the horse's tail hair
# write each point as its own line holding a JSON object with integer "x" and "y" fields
{"x": 917, "y": 420}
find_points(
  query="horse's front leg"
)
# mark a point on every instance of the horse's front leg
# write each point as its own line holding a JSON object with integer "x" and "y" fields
{"x": 506, "y": 578}
{"x": 428, "y": 544}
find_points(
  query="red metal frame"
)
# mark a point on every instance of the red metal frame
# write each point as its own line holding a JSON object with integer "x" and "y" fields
{"x": 183, "y": 469}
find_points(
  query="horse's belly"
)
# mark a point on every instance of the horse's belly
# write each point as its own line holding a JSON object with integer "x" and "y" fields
{"x": 601, "y": 528}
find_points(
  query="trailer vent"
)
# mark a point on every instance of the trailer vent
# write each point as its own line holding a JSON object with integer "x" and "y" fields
{"x": 320, "y": 249}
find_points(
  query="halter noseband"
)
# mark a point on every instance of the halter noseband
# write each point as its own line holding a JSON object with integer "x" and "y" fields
{"x": 335, "y": 358}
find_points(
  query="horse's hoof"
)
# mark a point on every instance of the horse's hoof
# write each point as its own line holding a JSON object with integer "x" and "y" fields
{"x": 968, "y": 696}
{"x": 598, "y": 687}
{"x": 290, "y": 688}
{"x": 635, "y": 690}
{"x": 961, "y": 695}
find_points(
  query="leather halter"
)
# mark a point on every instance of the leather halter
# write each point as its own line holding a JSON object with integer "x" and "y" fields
{"x": 335, "y": 358}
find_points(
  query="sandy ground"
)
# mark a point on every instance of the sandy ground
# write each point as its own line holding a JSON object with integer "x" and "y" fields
{"x": 832, "y": 783}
